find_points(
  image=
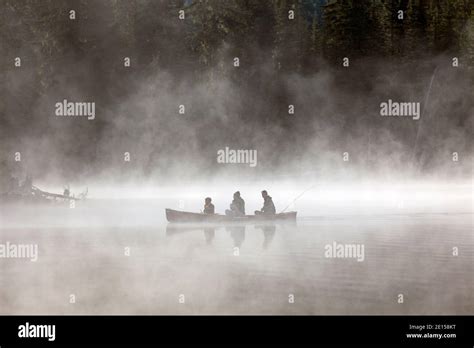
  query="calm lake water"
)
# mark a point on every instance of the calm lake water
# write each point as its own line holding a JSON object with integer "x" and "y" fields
{"x": 234, "y": 269}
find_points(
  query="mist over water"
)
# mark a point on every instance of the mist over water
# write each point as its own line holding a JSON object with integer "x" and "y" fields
{"x": 408, "y": 237}
{"x": 81, "y": 252}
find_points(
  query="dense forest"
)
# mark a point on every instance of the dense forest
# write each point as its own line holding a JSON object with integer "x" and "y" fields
{"x": 183, "y": 52}
{"x": 297, "y": 32}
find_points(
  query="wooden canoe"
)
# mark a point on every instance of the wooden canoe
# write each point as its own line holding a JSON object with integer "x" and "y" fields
{"x": 184, "y": 216}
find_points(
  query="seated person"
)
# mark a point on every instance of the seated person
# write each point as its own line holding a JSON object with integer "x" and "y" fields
{"x": 208, "y": 206}
{"x": 268, "y": 206}
{"x": 237, "y": 207}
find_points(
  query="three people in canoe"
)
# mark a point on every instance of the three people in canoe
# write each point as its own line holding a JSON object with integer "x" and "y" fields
{"x": 237, "y": 207}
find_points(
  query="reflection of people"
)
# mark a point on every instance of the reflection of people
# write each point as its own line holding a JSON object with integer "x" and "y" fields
{"x": 268, "y": 206}
{"x": 238, "y": 234}
{"x": 268, "y": 234}
{"x": 209, "y": 233}
{"x": 237, "y": 207}
{"x": 208, "y": 206}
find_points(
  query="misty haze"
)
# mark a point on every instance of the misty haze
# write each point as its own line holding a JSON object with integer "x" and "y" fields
{"x": 119, "y": 118}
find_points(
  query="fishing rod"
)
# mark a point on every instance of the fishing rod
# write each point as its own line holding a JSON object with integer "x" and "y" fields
{"x": 299, "y": 196}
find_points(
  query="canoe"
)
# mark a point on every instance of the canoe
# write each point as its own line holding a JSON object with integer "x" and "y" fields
{"x": 184, "y": 216}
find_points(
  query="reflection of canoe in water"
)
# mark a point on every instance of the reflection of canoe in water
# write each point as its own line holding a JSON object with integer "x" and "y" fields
{"x": 183, "y": 216}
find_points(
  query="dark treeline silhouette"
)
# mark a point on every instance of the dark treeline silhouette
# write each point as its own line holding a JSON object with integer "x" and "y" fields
{"x": 282, "y": 61}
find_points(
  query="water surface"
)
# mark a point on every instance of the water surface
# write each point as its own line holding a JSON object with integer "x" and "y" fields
{"x": 234, "y": 269}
